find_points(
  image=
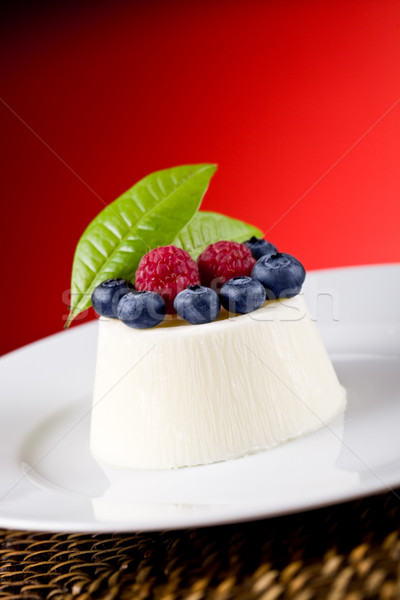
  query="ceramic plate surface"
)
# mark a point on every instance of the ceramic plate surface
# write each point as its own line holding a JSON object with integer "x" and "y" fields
{"x": 49, "y": 481}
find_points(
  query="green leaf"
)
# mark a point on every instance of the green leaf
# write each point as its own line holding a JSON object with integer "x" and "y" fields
{"x": 208, "y": 227}
{"x": 148, "y": 215}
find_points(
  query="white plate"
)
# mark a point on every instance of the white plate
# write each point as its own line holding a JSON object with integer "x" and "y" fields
{"x": 48, "y": 480}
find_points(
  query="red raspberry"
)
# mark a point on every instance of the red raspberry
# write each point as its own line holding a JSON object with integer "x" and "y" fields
{"x": 166, "y": 270}
{"x": 222, "y": 261}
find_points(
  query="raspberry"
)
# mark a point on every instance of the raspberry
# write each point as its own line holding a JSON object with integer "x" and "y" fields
{"x": 222, "y": 261}
{"x": 167, "y": 271}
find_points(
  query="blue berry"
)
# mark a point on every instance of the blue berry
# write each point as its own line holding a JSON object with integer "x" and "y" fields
{"x": 242, "y": 295}
{"x": 141, "y": 310}
{"x": 281, "y": 274}
{"x": 197, "y": 304}
{"x": 259, "y": 247}
{"x": 105, "y": 297}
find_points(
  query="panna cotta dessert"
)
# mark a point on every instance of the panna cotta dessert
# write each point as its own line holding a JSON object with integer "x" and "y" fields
{"x": 206, "y": 351}
{"x": 180, "y": 395}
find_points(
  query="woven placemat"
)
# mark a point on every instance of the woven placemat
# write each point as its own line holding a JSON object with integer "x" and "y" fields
{"x": 350, "y": 551}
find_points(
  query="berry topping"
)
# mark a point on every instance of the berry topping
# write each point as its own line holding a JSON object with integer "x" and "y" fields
{"x": 222, "y": 261}
{"x": 197, "y": 304}
{"x": 281, "y": 274}
{"x": 242, "y": 295}
{"x": 141, "y": 310}
{"x": 105, "y": 297}
{"x": 259, "y": 247}
{"x": 166, "y": 270}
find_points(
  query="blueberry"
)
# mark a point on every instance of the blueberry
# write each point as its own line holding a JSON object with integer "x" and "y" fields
{"x": 242, "y": 295}
{"x": 197, "y": 304}
{"x": 281, "y": 274}
{"x": 260, "y": 247}
{"x": 141, "y": 310}
{"x": 105, "y": 297}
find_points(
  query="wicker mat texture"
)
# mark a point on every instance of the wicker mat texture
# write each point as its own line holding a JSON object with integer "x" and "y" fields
{"x": 350, "y": 551}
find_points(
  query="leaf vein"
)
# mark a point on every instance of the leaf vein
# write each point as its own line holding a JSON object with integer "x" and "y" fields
{"x": 91, "y": 243}
{"x": 110, "y": 230}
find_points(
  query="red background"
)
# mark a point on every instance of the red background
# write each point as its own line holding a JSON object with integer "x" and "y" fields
{"x": 296, "y": 102}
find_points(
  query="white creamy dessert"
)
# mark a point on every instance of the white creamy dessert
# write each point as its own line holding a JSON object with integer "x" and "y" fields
{"x": 181, "y": 395}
